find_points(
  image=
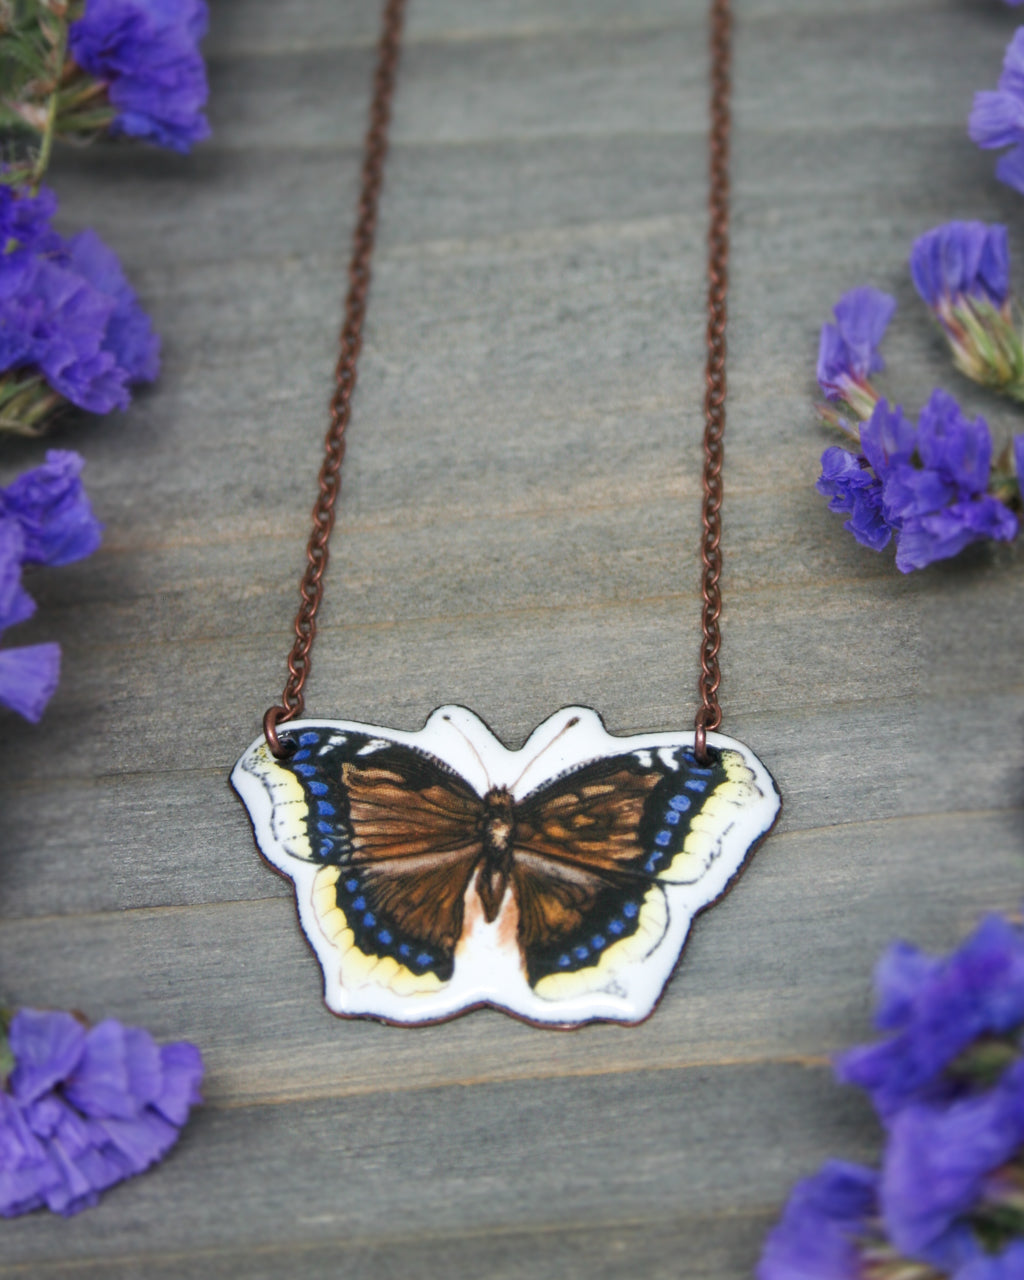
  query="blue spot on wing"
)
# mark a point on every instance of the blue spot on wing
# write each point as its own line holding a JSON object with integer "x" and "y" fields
{"x": 317, "y": 788}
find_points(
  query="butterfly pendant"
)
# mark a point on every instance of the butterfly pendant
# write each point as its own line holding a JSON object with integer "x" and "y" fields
{"x": 438, "y": 871}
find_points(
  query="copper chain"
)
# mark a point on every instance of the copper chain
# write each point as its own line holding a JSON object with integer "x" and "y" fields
{"x": 311, "y": 586}
{"x": 710, "y": 714}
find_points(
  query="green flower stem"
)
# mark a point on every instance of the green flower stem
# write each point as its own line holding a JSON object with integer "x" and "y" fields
{"x": 986, "y": 1060}
{"x": 82, "y": 106}
{"x": 26, "y": 403}
{"x": 832, "y": 416}
{"x": 60, "y": 51}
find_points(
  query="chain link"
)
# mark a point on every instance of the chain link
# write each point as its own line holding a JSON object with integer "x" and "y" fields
{"x": 709, "y": 716}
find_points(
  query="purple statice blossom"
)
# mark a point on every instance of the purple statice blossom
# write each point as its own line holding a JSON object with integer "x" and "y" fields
{"x": 848, "y": 350}
{"x": 927, "y": 484}
{"x": 87, "y": 1107}
{"x": 28, "y": 675}
{"x": 823, "y": 1227}
{"x": 997, "y": 116}
{"x": 962, "y": 272}
{"x": 68, "y": 314}
{"x": 50, "y": 506}
{"x": 45, "y": 518}
{"x": 146, "y": 52}
{"x": 25, "y": 218}
{"x": 941, "y": 505}
{"x": 962, "y": 260}
{"x": 851, "y": 486}
{"x": 1018, "y": 451}
{"x": 933, "y": 1009}
{"x": 943, "y": 1161}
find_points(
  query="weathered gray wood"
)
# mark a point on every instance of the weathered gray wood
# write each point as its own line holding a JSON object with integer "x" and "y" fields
{"x": 555, "y": 1152}
{"x": 517, "y": 532}
{"x": 704, "y": 1248}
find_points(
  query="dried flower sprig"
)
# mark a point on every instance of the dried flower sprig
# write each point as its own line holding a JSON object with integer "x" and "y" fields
{"x": 45, "y": 519}
{"x": 928, "y": 484}
{"x": 82, "y": 1108}
{"x": 71, "y": 328}
{"x": 932, "y": 485}
{"x": 962, "y": 272}
{"x": 74, "y": 68}
{"x": 948, "y": 1084}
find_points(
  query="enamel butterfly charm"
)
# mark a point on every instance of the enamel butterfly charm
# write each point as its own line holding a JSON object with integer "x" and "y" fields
{"x": 438, "y": 871}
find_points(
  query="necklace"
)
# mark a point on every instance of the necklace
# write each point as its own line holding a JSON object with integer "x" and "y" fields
{"x": 437, "y": 871}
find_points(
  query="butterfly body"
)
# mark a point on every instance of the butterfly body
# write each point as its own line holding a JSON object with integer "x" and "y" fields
{"x": 437, "y": 871}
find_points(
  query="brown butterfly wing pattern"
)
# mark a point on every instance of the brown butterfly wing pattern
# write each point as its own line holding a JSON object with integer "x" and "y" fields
{"x": 415, "y": 843}
{"x": 397, "y": 833}
{"x": 589, "y": 850}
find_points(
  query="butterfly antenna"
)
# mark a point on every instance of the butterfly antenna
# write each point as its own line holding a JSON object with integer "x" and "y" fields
{"x": 469, "y": 744}
{"x": 569, "y": 724}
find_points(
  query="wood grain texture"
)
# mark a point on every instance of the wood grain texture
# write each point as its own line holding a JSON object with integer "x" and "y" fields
{"x": 518, "y": 531}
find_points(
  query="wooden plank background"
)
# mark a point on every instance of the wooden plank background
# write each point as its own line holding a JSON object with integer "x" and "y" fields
{"x": 518, "y": 531}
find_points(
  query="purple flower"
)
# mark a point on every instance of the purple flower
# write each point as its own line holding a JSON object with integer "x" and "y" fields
{"x": 941, "y": 505}
{"x": 129, "y": 336}
{"x": 935, "y": 1007}
{"x": 927, "y": 484}
{"x": 28, "y": 678}
{"x": 67, "y": 312}
{"x": 888, "y": 438}
{"x": 851, "y": 486}
{"x": 45, "y": 517}
{"x": 997, "y": 117}
{"x": 962, "y": 259}
{"x": 15, "y": 603}
{"x": 87, "y": 1108}
{"x": 24, "y": 218}
{"x": 962, "y": 271}
{"x": 51, "y": 508}
{"x": 822, "y": 1225}
{"x": 939, "y": 1161}
{"x": 1008, "y": 1265}
{"x": 848, "y": 350}
{"x": 147, "y": 54}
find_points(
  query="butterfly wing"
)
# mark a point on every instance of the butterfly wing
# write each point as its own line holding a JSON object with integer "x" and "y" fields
{"x": 598, "y": 852}
{"x": 394, "y": 833}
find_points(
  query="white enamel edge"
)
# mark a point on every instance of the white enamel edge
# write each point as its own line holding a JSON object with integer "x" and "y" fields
{"x": 485, "y": 972}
